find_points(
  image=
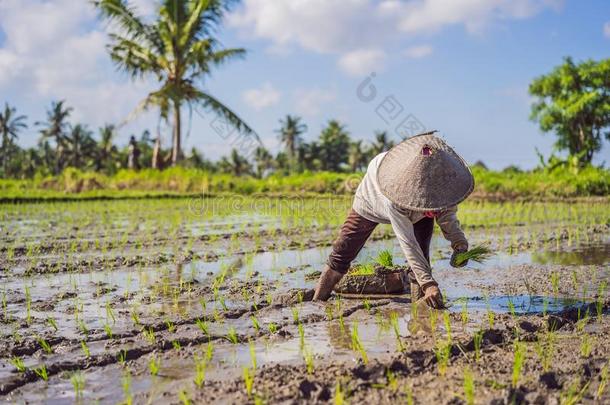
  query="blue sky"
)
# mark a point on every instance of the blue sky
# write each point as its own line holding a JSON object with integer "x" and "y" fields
{"x": 459, "y": 66}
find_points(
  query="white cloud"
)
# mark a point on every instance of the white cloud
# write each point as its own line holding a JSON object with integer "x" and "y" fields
{"x": 55, "y": 50}
{"x": 607, "y": 29}
{"x": 362, "y": 61}
{"x": 263, "y": 97}
{"x": 346, "y": 27}
{"x": 309, "y": 102}
{"x": 418, "y": 51}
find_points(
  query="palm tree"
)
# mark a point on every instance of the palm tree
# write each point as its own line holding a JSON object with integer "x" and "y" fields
{"x": 290, "y": 135}
{"x": 381, "y": 143}
{"x": 10, "y": 125}
{"x": 80, "y": 146}
{"x": 55, "y": 129}
{"x": 235, "y": 164}
{"x": 179, "y": 49}
{"x": 334, "y": 144}
{"x": 263, "y": 160}
{"x": 357, "y": 156}
{"x": 106, "y": 150}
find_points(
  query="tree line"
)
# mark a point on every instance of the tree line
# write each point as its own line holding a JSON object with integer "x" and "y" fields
{"x": 63, "y": 144}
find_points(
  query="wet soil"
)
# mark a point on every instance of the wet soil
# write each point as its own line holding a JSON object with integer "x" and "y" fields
{"x": 143, "y": 320}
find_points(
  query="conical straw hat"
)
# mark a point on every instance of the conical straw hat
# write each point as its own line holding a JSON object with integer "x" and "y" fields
{"x": 423, "y": 173}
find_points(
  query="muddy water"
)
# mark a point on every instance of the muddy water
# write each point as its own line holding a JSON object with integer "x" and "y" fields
{"x": 175, "y": 293}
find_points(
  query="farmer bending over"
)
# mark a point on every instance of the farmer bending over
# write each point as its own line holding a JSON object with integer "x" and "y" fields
{"x": 415, "y": 182}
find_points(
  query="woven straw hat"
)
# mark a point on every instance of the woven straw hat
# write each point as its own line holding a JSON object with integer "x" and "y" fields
{"x": 423, "y": 173}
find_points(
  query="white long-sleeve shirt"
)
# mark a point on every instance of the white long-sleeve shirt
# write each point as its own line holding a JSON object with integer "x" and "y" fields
{"x": 374, "y": 206}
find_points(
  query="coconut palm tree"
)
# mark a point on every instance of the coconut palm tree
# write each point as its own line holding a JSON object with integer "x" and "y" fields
{"x": 263, "y": 160}
{"x": 10, "y": 126}
{"x": 290, "y": 135}
{"x": 106, "y": 150}
{"x": 357, "y": 156}
{"x": 381, "y": 143}
{"x": 80, "y": 146}
{"x": 55, "y": 129}
{"x": 334, "y": 144}
{"x": 179, "y": 50}
{"x": 235, "y": 164}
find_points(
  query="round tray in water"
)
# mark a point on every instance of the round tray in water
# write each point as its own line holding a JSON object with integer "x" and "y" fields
{"x": 383, "y": 281}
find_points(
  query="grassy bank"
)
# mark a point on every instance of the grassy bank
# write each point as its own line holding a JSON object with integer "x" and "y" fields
{"x": 177, "y": 182}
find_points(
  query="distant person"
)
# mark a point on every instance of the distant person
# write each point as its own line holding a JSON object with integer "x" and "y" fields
{"x": 133, "y": 159}
{"x": 417, "y": 181}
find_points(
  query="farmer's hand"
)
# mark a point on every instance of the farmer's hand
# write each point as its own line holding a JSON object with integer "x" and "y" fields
{"x": 456, "y": 251}
{"x": 433, "y": 297}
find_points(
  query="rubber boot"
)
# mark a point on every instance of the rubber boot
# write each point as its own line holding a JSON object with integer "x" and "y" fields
{"x": 327, "y": 281}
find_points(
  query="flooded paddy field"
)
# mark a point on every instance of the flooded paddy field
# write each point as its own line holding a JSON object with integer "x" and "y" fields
{"x": 209, "y": 301}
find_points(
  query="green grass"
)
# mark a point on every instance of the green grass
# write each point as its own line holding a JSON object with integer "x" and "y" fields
{"x": 179, "y": 181}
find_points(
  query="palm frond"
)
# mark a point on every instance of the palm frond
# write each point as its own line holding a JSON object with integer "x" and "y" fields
{"x": 210, "y": 102}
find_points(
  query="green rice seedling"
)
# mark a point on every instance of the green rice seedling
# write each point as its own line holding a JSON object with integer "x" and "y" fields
{"x": 176, "y": 345}
{"x": 468, "y": 385}
{"x": 442, "y": 351}
{"x": 396, "y": 328}
{"x": 357, "y": 343}
{"x": 149, "y": 335}
{"x": 295, "y": 315}
{"x": 135, "y": 318}
{"x": 392, "y": 381}
{"x": 221, "y": 301}
{"x": 329, "y": 313}
{"x": 365, "y": 269}
{"x": 511, "y": 309}
{"x": 555, "y": 283}
{"x": 41, "y": 371}
{"x": 85, "y": 348}
{"x": 232, "y": 336}
{"x": 447, "y": 322}
{"x": 339, "y": 396}
{"x": 574, "y": 393}
{"x": 409, "y": 392}
{"x": 385, "y": 258}
{"x": 154, "y": 364}
{"x": 184, "y": 397}
{"x": 18, "y": 363}
{"x": 126, "y": 385}
{"x": 586, "y": 345}
{"x": 255, "y": 323}
{"x": 269, "y": 298}
{"x": 28, "y": 305}
{"x": 464, "y": 312}
{"x": 272, "y": 327}
{"x": 122, "y": 356}
{"x": 574, "y": 280}
{"x": 477, "y": 340}
{"x": 110, "y": 313}
{"x": 44, "y": 345}
{"x": 301, "y": 335}
{"x": 248, "y": 380}
{"x": 603, "y": 382}
{"x": 545, "y": 349}
{"x": 367, "y": 304}
{"x": 108, "y": 330}
{"x": 52, "y": 323}
{"x": 341, "y": 323}
{"x": 519, "y": 357}
{"x": 491, "y": 316}
{"x": 171, "y": 328}
{"x": 545, "y": 306}
{"x": 308, "y": 357}
{"x": 201, "y": 366}
{"x": 78, "y": 382}
{"x": 203, "y": 325}
{"x": 203, "y": 304}
{"x": 479, "y": 254}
